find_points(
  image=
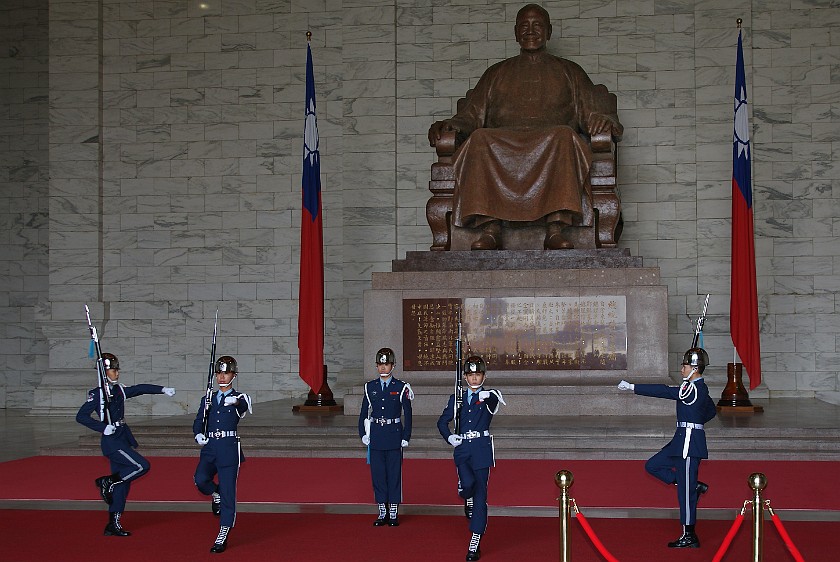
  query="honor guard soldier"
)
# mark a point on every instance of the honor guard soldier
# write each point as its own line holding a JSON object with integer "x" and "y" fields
{"x": 679, "y": 461}
{"x": 473, "y": 452}
{"x": 385, "y": 427}
{"x": 221, "y": 452}
{"x": 117, "y": 443}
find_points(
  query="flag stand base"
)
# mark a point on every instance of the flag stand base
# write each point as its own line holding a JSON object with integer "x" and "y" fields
{"x": 321, "y": 402}
{"x": 734, "y": 397}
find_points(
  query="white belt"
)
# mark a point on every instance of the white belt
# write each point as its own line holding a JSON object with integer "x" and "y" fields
{"x": 474, "y": 434}
{"x": 385, "y": 421}
{"x": 690, "y": 425}
{"x": 118, "y": 423}
{"x": 221, "y": 434}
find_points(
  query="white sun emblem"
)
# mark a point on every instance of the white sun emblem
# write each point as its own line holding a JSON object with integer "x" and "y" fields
{"x": 742, "y": 132}
{"x": 310, "y": 134}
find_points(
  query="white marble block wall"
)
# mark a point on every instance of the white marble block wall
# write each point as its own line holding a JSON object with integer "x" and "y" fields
{"x": 174, "y": 154}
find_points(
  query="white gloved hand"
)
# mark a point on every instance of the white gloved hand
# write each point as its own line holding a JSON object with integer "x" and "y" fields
{"x": 624, "y": 385}
{"x": 403, "y": 443}
{"x": 484, "y": 395}
{"x": 231, "y": 400}
{"x": 455, "y": 440}
{"x": 109, "y": 429}
{"x": 201, "y": 439}
{"x": 169, "y": 391}
{"x": 366, "y": 440}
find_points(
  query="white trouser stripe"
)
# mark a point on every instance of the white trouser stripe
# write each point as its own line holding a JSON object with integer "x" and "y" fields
{"x": 687, "y": 441}
{"x": 132, "y": 461}
{"x": 687, "y": 492}
{"x": 236, "y": 481}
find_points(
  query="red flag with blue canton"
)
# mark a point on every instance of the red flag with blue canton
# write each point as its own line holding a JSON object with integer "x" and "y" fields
{"x": 311, "y": 295}
{"x": 743, "y": 306}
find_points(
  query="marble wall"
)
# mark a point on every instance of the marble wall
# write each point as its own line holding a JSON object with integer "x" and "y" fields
{"x": 24, "y": 188}
{"x": 174, "y": 157}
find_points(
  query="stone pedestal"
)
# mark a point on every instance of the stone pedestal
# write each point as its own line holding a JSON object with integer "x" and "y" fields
{"x": 572, "y": 273}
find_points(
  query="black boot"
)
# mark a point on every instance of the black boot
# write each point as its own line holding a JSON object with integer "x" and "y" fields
{"x": 221, "y": 540}
{"x": 702, "y": 488}
{"x": 474, "y": 552}
{"x": 687, "y": 540}
{"x": 382, "y": 519}
{"x": 468, "y": 507}
{"x": 216, "y": 503}
{"x": 113, "y": 528}
{"x": 106, "y": 486}
{"x": 393, "y": 519}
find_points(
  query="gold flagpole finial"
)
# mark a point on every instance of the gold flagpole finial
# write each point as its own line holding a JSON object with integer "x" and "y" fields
{"x": 309, "y": 35}
{"x": 738, "y": 22}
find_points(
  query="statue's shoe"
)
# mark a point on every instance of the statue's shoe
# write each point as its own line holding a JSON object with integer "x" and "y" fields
{"x": 556, "y": 241}
{"x": 487, "y": 241}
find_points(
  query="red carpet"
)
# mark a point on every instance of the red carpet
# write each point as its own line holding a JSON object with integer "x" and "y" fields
{"x": 792, "y": 484}
{"x": 70, "y": 536}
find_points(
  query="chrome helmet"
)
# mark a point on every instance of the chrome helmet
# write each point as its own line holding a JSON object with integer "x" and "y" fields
{"x": 696, "y": 357}
{"x": 226, "y": 364}
{"x": 475, "y": 364}
{"x": 385, "y": 356}
{"x": 110, "y": 361}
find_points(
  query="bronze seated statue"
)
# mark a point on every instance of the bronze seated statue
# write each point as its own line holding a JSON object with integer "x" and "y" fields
{"x": 529, "y": 159}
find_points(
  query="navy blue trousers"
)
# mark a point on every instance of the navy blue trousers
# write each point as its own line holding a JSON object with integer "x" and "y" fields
{"x": 386, "y": 475}
{"x": 204, "y": 473}
{"x": 472, "y": 483}
{"x": 683, "y": 472}
{"x": 130, "y": 465}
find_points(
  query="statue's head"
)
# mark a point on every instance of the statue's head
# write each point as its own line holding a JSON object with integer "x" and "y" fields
{"x": 533, "y": 27}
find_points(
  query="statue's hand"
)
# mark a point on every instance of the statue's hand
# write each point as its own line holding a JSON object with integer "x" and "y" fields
{"x": 437, "y": 129}
{"x": 598, "y": 123}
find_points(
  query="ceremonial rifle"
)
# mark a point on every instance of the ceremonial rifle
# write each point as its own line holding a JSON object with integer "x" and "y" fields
{"x": 700, "y": 321}
{"x": 104, "y": 388}
{"x": 212, "y": 371}
{"x": 459, "y": 391}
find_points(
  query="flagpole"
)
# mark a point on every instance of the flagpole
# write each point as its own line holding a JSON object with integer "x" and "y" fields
{"x": 738, "y": 23}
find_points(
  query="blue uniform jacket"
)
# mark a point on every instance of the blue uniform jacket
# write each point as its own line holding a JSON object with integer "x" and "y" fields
{"x": 475, "y": 417}
{"x": 116, "y": 407}
{"x": 222, "y": 418}
{"x": 392, "y": 404}
{"x": 696, "y": 408}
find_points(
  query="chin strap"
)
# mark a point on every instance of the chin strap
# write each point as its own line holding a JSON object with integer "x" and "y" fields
{"x": 228, "y": 384}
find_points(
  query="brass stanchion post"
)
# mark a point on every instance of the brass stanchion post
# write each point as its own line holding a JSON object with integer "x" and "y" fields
{"x": 757, "y": 482}
{"x": 564, "y": 480}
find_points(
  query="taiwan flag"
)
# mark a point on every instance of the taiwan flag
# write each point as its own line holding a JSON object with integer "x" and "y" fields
{"x": 311, "y": 296}
{"x": 743, "y": 306}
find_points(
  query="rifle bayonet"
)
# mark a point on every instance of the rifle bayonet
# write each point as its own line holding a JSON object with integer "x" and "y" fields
{"x": 102, "y": 378}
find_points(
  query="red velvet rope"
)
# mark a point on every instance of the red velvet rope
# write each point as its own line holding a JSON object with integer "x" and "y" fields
{"x": 728, "y": 539}
{"x": 786, "y": 538}
{"x": 586, "y": 527}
